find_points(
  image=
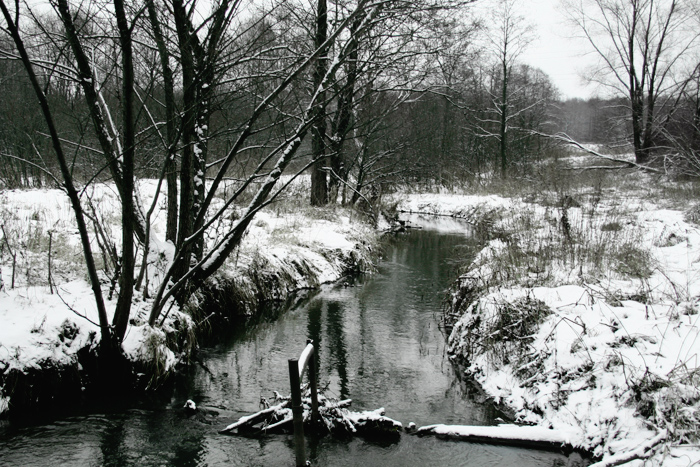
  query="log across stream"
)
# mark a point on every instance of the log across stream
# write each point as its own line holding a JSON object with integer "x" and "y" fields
{"x": 379, "y": 344}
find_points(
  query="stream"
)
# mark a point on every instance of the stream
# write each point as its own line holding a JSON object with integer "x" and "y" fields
{"x": 379, "y": 343}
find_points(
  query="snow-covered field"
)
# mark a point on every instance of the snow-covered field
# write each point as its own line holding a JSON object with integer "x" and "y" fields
{"x": 46, "y": 326}
{"x": 581, "y": 315}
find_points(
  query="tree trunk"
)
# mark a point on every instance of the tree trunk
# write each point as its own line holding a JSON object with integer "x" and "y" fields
{"x": 641, "y": 154}
{"x": 503, "y": 131}
{"x": 171, "y": 131}
{"x": 343, "y": 119}
{"x": 187, "y": 162}
{"x": 126, "y": 280}
{"x": 319, "y": 177}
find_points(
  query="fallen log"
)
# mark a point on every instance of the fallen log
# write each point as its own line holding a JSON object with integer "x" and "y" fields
{"x": 373, "y": 423}
{"x": 533, "y": 437}
{"x": 281, "y": 424}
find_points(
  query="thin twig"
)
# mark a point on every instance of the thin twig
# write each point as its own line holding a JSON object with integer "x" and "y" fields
{"x": 76, "y": 311}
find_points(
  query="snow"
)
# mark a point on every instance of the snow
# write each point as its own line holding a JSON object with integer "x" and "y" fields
{"x": 442, "y": 224}
{"x": 368, "y": 417}
{"x": 32, "y": 320}
{"x": 500, "y": 432}
{"x": 613, "y": 365}
{"x": 39, "y": 327}
{"x": 303, "y": 358}
{"x": 462, "y": 206}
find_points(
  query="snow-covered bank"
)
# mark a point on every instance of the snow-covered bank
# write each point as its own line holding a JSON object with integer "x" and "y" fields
{"x": 53, "y": 328}
{"x": 581, "y": 314}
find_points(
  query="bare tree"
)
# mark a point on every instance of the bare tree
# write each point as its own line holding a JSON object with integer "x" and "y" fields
{"x": 283, "y": 153}
{"x": 392, "y": 55}
{"x": 205, "y": 50}
{"x": 641, "y": 44}
{"x": 510, "y": 36}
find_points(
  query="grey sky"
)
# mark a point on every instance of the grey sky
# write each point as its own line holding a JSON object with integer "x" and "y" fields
{"x": 555, "y": 49}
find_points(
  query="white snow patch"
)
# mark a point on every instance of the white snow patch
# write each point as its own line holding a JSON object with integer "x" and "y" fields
{"x": 37, "y": 326}
{"x": 611, "y": 346}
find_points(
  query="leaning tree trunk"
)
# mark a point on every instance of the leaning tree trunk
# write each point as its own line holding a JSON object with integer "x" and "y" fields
{"x": 126, "y": 280}
{"x": 106, "y": 341}
{"x": 107, "y": 142}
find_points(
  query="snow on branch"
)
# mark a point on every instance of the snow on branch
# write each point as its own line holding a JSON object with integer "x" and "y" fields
{"x": 642, "y": 452}
{"x": 566, "y": 139}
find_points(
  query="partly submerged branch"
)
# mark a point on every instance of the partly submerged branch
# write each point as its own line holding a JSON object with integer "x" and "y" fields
{"x": 335, "y": 417}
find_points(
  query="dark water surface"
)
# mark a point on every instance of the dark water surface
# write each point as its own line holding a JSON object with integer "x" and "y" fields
{"x": 379, "y": 344}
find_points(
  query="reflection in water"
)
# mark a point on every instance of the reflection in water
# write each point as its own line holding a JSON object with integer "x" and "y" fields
{"x": 338, "y": 358}
{"x": 112, "y": 442}
{"x": 378, "y": 343}
{"x": 314, "y": 330}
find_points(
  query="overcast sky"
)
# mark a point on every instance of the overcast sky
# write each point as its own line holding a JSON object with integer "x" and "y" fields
{"x": 555, "y": 49}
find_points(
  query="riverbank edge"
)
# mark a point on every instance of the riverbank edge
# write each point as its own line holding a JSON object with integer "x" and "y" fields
{"x": 234, "y": 295}
{"x": 464, "y": 315}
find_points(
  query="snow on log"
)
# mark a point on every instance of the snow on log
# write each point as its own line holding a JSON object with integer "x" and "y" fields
{"x": 642, "y": 452}
{"x": 304, "y": 358}
{"x": 512, "y": 435}
{"x": 372, "y": 421}
{"x": 335, "y": 418}
{"x": 255, "y": 418}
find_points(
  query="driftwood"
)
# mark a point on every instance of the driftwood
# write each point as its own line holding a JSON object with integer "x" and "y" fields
{"x": 256, "y": 418}
{"x": 334, "y": 418}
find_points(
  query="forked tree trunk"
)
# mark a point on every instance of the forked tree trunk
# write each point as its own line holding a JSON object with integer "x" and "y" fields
{"x": 170, "y": 130}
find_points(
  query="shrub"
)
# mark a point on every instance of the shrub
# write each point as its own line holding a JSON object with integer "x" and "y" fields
{"x": 503, "y": 330}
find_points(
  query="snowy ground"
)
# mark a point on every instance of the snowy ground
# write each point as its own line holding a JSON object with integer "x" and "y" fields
{"x": 43, "y": 327}
{"x": 581, "y": 315}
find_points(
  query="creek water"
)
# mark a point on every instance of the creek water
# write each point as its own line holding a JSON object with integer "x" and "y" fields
{"x": 379, "y": 343}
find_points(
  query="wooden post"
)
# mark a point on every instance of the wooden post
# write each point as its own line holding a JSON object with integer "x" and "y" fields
{"x": 297, "y": 413}
{"x": 313, "y": 382}
{"x": 50, "y": 278}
